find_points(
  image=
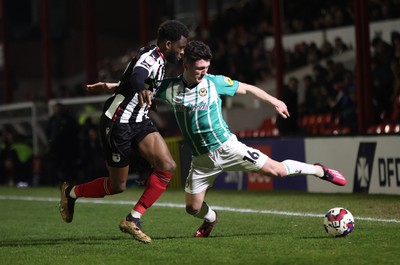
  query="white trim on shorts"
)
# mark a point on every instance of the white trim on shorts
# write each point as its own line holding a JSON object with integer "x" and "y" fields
{"x": 232, "y": 155}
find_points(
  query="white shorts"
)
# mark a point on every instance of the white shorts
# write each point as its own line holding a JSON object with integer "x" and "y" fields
{"x": 231, "y": 156}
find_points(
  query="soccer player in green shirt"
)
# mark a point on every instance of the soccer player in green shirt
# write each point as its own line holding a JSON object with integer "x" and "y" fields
{"x": 195, "y": 97}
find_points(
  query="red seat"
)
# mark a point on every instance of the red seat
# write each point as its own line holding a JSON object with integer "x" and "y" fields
{"x": 397, "y": 128}
{"x": 304, "y": 121}
{"x": 371, "y": 129}
{"x": 385, "y": 128}
{"x": 268, "y": 123}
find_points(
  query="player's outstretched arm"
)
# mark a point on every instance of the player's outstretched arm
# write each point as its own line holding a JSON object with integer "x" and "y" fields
{"x": 145, "y": 96}
{"x": 101, "y": 87}
{"x": 279, "y": 105}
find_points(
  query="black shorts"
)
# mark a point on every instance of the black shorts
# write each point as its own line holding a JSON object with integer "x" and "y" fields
{"x": 120, "y": 140}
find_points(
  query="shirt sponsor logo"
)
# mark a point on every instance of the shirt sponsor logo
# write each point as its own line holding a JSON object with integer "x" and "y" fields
{"x": 190, "y": 107}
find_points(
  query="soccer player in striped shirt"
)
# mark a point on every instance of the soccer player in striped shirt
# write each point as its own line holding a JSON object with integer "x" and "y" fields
{"x": 127, "y": 130}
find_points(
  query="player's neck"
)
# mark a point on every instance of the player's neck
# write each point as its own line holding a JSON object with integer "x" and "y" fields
{"x": 187, "y": 83}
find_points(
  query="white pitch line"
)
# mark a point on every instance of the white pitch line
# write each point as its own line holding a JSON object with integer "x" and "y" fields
{"x": 176, "y": 205}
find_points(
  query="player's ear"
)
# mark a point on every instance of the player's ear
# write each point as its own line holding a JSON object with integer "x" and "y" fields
{"x": 185, "y": 64}
{"x": 168, "y": 44}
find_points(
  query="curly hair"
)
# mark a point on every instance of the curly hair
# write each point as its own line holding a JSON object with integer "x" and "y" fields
{"x": 197, "y": 50}
{"x": 172, "y": 30}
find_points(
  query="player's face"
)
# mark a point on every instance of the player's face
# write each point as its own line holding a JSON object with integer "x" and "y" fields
{"x": 175, "y": 50}
{"x": 196, "y": 71}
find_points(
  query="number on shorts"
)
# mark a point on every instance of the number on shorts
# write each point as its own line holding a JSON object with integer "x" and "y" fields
{"x": 253, "y": 156}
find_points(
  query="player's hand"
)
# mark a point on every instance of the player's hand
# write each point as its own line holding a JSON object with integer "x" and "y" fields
{"x": 100, "y": 87}
{"x": 282, "y": 109}
{"x": 145, "y": 97}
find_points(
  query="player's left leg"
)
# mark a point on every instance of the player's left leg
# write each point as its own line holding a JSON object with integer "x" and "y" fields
{"x": 201, "y": 177}
{"x": 196, "y": 206}
{"x": 295, "y": 168}
{"x": 154, "y": 149}
{"x": 251, "y": 159}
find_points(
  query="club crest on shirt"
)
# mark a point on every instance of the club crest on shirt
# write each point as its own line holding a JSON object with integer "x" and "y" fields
{"x": 202, "y": 92}
{"x": 149, "y": 61}
{"x": 116, "y": 157}
{"x": 228, "y": 81}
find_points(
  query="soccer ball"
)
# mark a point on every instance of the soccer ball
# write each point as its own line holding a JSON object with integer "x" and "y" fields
{"x": 338, "y": 222}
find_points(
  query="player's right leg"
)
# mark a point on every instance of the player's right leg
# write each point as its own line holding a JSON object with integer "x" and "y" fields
{"x": 196, "y": 206}
{"x": 97, "y": 188}
{"x": 153, "y": 148}
{"x": 201, "y": 176}
{"x": 332, "y": 175}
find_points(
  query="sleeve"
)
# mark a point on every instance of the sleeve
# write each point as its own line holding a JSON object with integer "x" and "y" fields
{"x": 144, "y": 69}
{"x": 138, "y": 78}
{"x": 225, "y": 85}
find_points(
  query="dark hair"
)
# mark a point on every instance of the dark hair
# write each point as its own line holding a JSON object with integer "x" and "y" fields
{"x": 197, "y": 50}
{"x": 172, "y": 30}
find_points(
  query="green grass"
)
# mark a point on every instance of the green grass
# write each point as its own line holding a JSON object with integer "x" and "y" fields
{"x": 32, "y": 232}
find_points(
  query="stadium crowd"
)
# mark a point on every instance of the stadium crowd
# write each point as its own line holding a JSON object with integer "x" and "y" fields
{"x": 240, "y": 52}
{"x": 74, "y": 153}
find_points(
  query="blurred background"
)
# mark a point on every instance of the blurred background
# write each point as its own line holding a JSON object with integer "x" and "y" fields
{"x": 335, "y": 63}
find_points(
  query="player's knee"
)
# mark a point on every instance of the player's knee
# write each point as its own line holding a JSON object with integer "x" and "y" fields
{"x": 274, "y": 169}
{"x": 281, "y": 171}
{"x": 190, "y": 210}
{"x": 164, "y": 176}
{"x": 277, "y": 173}
{"x": 118, "y": 187}
{"x": 168, "y": 165}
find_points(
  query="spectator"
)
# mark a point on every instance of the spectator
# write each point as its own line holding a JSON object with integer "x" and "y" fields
{"x": 91, "y": 160}
{"x": 382, "y": 51}
{"x": 62, "y": 132}
{"x": 3, "y": 148}
{"x": 396, "y": 111}
{"x": 349, "y": 85}
{"x": 17, "y": 158}
{"x": 307, "y": 106}
{"x": 395, "y": 98}
{"x": 290, "y": 97}
{"x": 382, "y": 88}
{"x": 320, "y": 75}
{"x": 343, "y": 106}
{"x": 331, "y": 69}
{"x": 339, "y": 46}
{"x": 313, "y": 54}
{"x": 326, "y": 49}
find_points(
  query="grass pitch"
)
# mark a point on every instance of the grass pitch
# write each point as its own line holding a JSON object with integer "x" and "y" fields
{"x": 254, "y": 228}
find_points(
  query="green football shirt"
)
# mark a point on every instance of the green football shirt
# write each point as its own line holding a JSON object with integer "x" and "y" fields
{"x": 198, "y": 109}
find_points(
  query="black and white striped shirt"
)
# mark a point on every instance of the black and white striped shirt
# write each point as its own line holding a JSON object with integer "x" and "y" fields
{"x": 145, "y": 71}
